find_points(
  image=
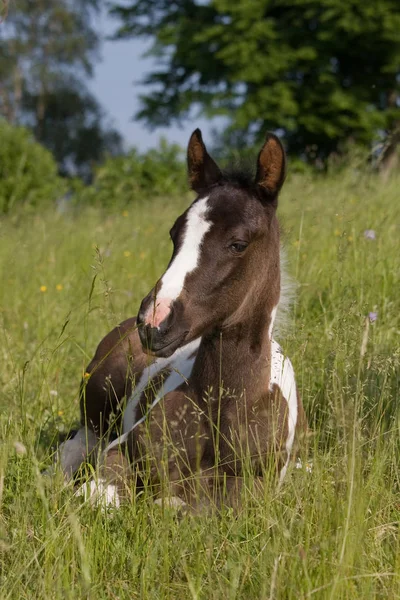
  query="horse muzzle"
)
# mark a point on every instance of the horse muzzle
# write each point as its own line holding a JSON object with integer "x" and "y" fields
{"x": 163, "y": 340}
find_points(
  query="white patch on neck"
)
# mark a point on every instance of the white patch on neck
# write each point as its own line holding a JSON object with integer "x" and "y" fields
{"x": 271, "y": 324}
{"x": 184, "y": 262}
{"x": 282, "y": 374}
{"x": 180, "y": 363}
{"x": 286, "y": 297}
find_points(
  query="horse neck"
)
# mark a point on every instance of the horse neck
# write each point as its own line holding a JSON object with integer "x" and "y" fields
{"x": 237, "y": 358}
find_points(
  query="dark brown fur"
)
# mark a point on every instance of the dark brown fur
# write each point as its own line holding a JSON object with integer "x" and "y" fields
{"x": 227, "y": 416}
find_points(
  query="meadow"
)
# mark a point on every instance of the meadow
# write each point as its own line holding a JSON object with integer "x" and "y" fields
{"x": 69, "y": 275}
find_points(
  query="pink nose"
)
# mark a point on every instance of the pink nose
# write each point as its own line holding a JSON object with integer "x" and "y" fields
{"x": 155, "y": 315}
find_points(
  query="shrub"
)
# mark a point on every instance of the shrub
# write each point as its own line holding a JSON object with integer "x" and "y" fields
{"x": 28, "y": 172}
{"x": 135, "y": 177}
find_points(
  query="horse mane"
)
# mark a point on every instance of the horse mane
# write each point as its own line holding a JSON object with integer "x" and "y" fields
{"x": 242, "y": 174}
{"x": 239, "y": 174}
{"x": 284, "y": 317}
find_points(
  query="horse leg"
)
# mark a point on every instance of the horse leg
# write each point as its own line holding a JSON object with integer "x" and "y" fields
{"x": 109, "y": 376}
{"x": 113, "y": 482}
{"x": 164, "y": 450}
{"x": 107, "y": 382}
{"x": 210, "y": 491}
{"x": 72, "y": 453}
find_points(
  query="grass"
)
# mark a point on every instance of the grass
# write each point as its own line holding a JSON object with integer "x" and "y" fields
{"x": 67, "y": 278}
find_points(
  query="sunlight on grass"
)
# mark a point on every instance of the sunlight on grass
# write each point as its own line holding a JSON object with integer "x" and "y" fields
{"x": 333, "y": 533}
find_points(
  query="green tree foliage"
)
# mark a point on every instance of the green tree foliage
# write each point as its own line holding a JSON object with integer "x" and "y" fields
{"x": 73, "y": 130}
{"x": 323, "y": 71}
{"x": 47, "y": 50}
{"x": 28, "y": 172}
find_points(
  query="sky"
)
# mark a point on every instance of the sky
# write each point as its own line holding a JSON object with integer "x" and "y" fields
{"x": 115, "y": 85}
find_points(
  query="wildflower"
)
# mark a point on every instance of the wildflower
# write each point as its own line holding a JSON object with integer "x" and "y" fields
{"x": 127, "y": 253}
{"x": 53, "y": 393}
{"x": 142, "y": 255}
{"x": 60, "y": 413}
{"x": 43, "y": 288}
{"x": 337, "y": 232}
{"x": 308, "y": 465}
{"x": 125, "y": 213}
{"x": 369, "y": 234}
{"x": 372, "y": 317}
{"x": 59, "y": 287}
{"x": 86, "y": 375}
{"x": 350, "y": 238}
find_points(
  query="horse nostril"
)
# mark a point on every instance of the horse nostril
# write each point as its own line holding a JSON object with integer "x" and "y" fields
{"x": 143, "y": 333}
{"x": 148, "y": 336}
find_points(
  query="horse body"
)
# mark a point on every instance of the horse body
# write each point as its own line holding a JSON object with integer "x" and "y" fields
{"x": 213, "y": 389}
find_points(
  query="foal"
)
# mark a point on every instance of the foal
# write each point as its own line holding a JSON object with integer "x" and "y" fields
{"x": 217, "y": 394}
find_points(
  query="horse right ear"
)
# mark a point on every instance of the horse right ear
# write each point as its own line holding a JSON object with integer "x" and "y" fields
{"x": 203, "y": 171}
{"x": 271, "y": 167}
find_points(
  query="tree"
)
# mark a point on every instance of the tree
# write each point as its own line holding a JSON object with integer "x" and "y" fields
{"x": 47, "y": 50}
{"x": 74, "y": 129}
{"x": 321, "y": 71}
{"x": 28, "y": 172}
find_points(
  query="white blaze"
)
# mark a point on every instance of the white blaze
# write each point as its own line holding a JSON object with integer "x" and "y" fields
{"x": 184, "y": 263}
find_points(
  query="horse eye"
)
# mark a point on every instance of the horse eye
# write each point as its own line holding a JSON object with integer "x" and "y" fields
{"x": 238, "y": 247}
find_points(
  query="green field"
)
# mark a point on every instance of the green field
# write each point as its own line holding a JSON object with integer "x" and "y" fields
{"x": 69, "y": 277}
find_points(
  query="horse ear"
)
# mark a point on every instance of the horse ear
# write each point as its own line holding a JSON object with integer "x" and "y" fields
{"x": 203, "y": 171}
{"x": 271, "y": 167}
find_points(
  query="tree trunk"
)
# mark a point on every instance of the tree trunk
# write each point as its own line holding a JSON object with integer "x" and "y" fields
{"x": 389, "y": 159}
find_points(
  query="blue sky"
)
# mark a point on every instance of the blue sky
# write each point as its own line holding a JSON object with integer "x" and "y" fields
{"x": 115, "y": 85}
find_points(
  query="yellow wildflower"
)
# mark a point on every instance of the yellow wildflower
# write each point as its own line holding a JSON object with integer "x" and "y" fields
{"x": 59, "y": 287}
{"x": 43, "y": 288}
{"x": 125, "y": 213}
{"x": 127, "y": 253}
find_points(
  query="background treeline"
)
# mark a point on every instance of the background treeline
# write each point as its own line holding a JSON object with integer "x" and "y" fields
{"x": 48, "y": 50}
{"x": 29, "y": 177}
{"x": 324, "y": 74}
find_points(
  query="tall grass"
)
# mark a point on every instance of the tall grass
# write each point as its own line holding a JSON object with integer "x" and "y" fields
{"x": 67, "y": 278}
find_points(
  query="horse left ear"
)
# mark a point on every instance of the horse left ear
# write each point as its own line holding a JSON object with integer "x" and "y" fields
{"x": 202, "y": 169}
{"x": 271, "y": 167}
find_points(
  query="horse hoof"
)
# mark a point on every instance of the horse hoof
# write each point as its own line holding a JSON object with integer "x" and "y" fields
{"x": 171, "y": 502}
{"x": 100, "y": 493}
